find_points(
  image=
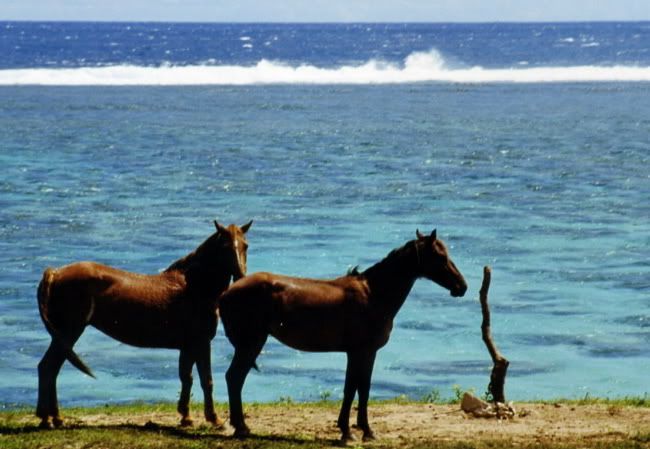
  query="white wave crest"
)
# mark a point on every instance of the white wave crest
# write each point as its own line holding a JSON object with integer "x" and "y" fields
{"x": 417, "y": 67}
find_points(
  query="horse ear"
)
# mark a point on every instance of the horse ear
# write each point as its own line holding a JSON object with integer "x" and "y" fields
{"x": 419, "y": 235}
{"x": 220, "y": 228}
{"x": 434, "y": 234}
{"x": 246, "y": 227}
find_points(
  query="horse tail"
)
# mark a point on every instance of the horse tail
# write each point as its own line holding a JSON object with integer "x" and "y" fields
{"x": 44, "y": 293}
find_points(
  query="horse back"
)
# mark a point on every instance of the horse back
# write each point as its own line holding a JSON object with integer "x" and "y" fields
{"x": 137, "y": 309}
{"x": 98, "y": 280}
{"x": 266, "y": 291}
{"x": 306, "y": 314}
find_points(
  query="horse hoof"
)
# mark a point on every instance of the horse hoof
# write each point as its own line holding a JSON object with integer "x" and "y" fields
{"x": 57, "y": 422}
{"x": 369, "y": 436}
{"x": 346, "y": 438}
{"x": 45, "y": 424}
{"x": 241, "y": 432}
{"x": 187, "y": 422}
{"x": 216, "y": 422}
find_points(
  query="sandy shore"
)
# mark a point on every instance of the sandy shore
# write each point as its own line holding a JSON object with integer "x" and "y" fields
{"x": 407, "y": 424}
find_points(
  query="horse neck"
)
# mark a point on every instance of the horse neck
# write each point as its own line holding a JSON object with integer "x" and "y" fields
{"x": 391, "y": 279}
{"x": 202, "y": 272}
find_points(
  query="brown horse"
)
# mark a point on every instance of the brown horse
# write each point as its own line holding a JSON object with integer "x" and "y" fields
{"x": 175, "y": 309}
{"x": 352, "y": 314}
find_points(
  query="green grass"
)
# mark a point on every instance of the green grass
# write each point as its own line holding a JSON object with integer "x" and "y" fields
{"x": 626, "y": 401}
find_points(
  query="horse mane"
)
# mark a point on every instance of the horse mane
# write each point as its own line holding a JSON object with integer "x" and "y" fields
{"x": 181, "y": 264}
{"x": 388, "y": 262}
{"x": 188, "y": 261}
{"x": 393, "y": 277}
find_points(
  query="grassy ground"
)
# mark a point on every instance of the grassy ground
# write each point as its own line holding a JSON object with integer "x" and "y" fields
{"x": 400, "y": 424}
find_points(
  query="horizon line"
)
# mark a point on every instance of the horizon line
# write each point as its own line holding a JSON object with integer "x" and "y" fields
{"x": 345, "y": 22}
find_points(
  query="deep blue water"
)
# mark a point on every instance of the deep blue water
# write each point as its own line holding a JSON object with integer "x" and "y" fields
{"x": 546, "y": 182}
{"x": 28, "y": 45}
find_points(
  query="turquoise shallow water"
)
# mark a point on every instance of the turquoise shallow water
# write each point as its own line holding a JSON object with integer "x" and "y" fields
{"x": 548, "y": 184}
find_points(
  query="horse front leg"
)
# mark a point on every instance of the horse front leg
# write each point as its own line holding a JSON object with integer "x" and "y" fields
{"x": 185, "y": 364}
{"x": 204, "y": 366}
{"x": 349, "y": 390}
{"x": 367, "y": 362}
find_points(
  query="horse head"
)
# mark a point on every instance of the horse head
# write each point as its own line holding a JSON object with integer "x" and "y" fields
{"x": 232, "y": 248}
{"x": 437, "y": 266}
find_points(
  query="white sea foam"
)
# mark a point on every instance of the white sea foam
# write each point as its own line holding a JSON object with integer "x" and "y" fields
{"x": 417, "y": 67}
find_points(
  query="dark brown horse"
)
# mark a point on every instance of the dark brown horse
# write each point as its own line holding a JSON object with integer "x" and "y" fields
{"x": 175, "y": 309}
{"x": 352, "y": 314}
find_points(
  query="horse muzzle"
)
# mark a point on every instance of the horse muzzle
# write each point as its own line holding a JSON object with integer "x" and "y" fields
{"x": 458, "y": 291}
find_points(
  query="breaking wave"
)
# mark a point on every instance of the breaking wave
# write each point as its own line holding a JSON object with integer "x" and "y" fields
{"x": 417, "y": 67}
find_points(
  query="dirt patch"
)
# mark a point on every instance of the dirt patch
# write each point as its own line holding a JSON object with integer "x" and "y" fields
{"x": 405, "y": 424}
{"x": 449, "y": 423}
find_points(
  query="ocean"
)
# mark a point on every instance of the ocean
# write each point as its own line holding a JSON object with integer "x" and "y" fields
{"x": 525, "y": 145}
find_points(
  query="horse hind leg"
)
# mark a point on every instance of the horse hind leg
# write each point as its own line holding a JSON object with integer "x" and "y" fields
{"x": 48, "y": 371}
{"x": 244, "y": 359}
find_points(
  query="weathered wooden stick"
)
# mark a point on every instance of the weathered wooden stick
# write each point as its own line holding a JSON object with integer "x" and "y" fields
{"x": 498, "y": 376}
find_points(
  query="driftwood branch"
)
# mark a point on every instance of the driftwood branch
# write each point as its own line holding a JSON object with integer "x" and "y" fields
{"x": 498, "y": 377}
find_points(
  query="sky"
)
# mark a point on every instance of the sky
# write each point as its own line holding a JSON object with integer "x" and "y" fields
{"x": 326, "y": 10}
